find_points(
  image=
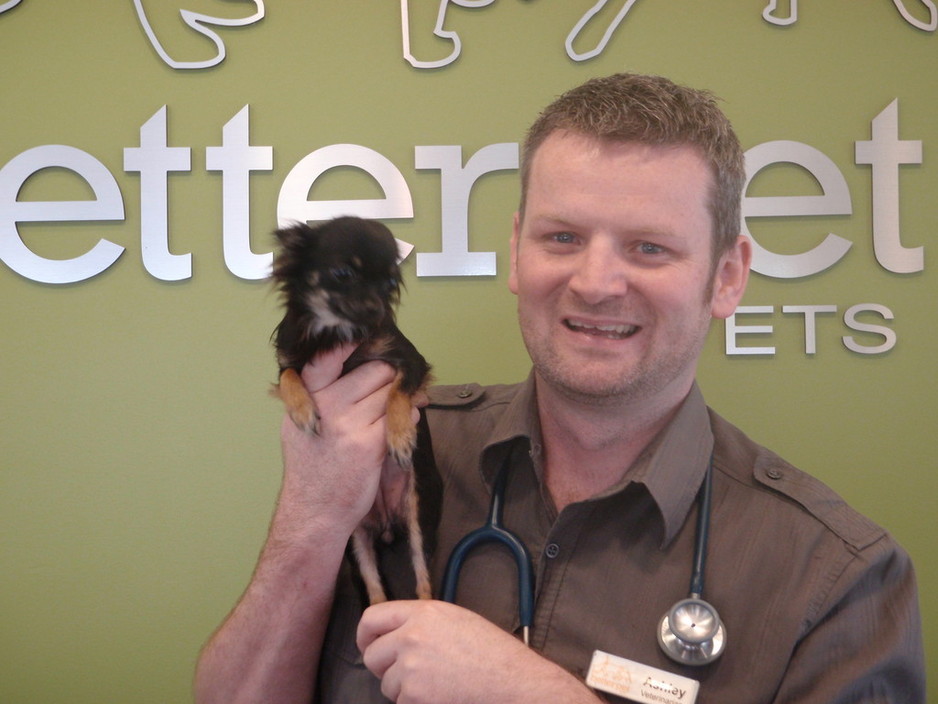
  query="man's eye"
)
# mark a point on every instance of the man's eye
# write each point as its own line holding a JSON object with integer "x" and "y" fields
{"x": 650, "y": 248}
{"x": 564, "y": 238}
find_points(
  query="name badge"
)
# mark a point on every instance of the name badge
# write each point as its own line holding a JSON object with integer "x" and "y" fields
{"x": 640, "y": 683}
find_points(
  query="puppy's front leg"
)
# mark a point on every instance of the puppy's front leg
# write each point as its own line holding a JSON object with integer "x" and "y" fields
{"x": 402, "y": 433}
{"x": 298, "y": 402}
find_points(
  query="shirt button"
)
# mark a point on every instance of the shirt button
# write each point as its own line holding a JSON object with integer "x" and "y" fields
{"x": 552, "y": 550}
{"x": 774, "y": 473}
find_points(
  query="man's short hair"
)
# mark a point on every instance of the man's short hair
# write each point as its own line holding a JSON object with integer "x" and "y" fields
{"x": 652, "y": 110}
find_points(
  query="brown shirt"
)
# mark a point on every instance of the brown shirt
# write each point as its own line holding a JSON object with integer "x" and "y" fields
{"x": 819, "y": 604}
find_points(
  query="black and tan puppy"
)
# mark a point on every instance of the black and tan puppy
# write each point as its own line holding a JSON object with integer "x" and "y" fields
{"x": 340, "y": 283}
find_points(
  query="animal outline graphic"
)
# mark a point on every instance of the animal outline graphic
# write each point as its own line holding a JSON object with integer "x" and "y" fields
{"x": 201, "y": 23}
{"x": 770, "y": 14}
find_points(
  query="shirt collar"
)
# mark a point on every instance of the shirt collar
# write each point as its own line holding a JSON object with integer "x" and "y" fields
{"x": 673, "y": 465}
{"x": 671, "y": 468}
{"x": 518, "y": 421}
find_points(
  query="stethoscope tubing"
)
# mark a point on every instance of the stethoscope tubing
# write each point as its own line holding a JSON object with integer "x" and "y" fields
{"x": 494, "y": 531}
{"x": 703, "y": 535}
{"x": 691, "y": 632}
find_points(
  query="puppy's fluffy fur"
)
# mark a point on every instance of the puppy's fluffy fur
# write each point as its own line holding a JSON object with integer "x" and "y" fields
{"x": 340, "y": 283}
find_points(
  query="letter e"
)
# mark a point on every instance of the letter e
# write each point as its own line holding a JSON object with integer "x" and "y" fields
{"x": 107, "y": 206}
{"x": 835, "y": 201}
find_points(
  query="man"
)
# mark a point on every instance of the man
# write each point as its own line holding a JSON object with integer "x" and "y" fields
{"x": 624, "y": 248}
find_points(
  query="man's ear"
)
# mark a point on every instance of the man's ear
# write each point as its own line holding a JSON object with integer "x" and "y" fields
{"x": 730, "y": 278}
{"x": 515, "y": 236}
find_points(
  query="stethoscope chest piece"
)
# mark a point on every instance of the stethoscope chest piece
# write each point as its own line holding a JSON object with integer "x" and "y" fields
{"x": 691, "y": 632}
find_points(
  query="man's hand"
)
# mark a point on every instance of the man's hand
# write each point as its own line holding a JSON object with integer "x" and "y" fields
{"x": 332, "y": 477}
{"x": 431, "y": 651}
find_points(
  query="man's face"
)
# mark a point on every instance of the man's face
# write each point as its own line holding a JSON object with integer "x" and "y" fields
{"x": 612, "y": 266}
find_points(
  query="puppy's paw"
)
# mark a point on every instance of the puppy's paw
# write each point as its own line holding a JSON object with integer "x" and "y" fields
{"x": 296, "y": 399}
{"x": 305, "y": 417}
{"x": 424, "y": 590}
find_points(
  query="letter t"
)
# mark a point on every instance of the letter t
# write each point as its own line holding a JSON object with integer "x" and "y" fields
{"x": 886, "y": 152}
{"x": 154, "y": 160}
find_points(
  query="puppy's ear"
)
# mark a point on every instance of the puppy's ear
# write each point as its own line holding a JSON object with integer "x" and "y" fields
{"x": 295, "y": 242}
{"x": 296, "y": 238}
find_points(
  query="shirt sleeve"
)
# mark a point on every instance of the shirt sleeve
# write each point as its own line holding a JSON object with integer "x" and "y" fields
{"x": 865, "y": 643}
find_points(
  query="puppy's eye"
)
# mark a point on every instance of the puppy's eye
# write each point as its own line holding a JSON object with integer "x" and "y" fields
{"x": 342, "y": 274}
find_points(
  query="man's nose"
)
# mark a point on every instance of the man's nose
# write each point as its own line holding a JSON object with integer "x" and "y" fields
{"x": 599, "y": 273}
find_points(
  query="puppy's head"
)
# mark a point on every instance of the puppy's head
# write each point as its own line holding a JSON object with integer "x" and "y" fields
{"x": 340, "y": 277}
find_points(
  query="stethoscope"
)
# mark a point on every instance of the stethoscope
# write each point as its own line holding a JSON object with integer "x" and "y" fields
{"x": 690, "y": 633}
{"x": 493, "y": 531}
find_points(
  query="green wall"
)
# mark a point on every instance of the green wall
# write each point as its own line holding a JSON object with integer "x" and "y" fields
{"x": 139, "y": 456}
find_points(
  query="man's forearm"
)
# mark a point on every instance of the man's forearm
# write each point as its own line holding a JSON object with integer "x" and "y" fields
{"x": 268, "y": 648}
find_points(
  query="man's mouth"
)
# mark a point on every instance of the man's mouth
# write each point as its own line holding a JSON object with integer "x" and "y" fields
{"x": 612, "y": 332}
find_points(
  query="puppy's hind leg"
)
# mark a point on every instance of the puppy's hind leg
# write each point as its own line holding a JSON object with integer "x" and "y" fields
{"x": 415, "y": 538}
{"x": 402, "y": 439}
{"x": 363, "y": 547}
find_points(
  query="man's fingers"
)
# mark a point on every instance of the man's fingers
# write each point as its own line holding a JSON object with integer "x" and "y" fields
{"x": 381, "y": 619}
{"x": 326, "y": 368}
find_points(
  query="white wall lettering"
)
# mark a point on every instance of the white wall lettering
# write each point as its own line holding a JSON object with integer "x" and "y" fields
{"x": 810, "y": 314}
{"x": 153, "y": 159}
{"x": 885, "y": 153}
{"x": 236, "y": 159}
{"x": 455, "y": 259}
{"x": 733, "y": 330}
{"x": 834, "y": 201}
{"x": 108, "y": 205}
{"x": 888, "y": 334}
{"x": 294, "y": 205}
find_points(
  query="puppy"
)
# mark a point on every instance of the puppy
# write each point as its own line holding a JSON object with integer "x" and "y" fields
{"x": 340, "y": 283}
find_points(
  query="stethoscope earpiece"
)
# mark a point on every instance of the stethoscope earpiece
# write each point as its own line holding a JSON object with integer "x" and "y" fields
{"x": 691, "y": 632}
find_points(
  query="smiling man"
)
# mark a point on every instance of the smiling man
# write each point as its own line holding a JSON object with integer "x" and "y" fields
{"x": 613, "y": 268}
{"x": 626, "y": 245}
